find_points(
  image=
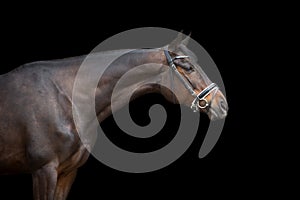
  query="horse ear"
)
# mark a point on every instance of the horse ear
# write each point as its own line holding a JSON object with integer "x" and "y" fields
{"x": 173, "y": 46}
{"x": 186, "y": 40}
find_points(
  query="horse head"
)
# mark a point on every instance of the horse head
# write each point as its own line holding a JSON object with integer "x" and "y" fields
{"x": 190, "y": 84}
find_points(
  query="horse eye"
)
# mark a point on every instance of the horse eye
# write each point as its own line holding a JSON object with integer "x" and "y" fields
{"x": 184, "y": 64}
{"x": 187, "y": 67}
{"x": 190, "y": 70}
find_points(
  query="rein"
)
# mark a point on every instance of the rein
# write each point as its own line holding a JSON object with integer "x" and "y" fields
{"x": 199, "y": 102}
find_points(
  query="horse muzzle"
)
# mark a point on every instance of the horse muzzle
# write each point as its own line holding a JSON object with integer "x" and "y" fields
{"x": 218, "y": 108}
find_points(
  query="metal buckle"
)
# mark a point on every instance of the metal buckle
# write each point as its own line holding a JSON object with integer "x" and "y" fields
{"x": 205, "y": 103}
{"x": 206, "y": 91}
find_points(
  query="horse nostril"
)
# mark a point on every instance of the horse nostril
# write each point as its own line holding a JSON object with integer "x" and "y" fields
{"x": 223, "y": 105}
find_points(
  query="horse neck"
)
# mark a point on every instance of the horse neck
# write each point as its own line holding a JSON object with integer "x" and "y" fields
{"x": 114, "y": 73}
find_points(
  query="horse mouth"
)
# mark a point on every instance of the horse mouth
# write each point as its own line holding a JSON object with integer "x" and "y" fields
{"x": 214, "y": 114}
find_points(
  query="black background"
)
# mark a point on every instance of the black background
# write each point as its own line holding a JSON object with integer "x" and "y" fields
{"x": 236, "y": 166}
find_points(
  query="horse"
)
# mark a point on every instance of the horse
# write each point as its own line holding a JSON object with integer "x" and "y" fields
{"x": 38, "y": 134}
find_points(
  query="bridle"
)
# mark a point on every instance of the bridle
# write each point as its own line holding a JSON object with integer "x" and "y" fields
{"x": 200, "y": 101}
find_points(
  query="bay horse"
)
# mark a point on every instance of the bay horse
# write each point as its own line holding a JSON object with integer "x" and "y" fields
{"x": 37, "y": 130}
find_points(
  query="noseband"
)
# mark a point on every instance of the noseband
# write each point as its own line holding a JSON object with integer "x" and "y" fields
{"x": 199, "y": 102}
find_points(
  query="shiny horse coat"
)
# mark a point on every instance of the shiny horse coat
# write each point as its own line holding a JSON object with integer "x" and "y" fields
{"x": 37, "y": 129}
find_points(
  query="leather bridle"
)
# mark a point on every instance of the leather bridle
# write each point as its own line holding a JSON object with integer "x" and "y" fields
{"x": 200, "y": 101}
